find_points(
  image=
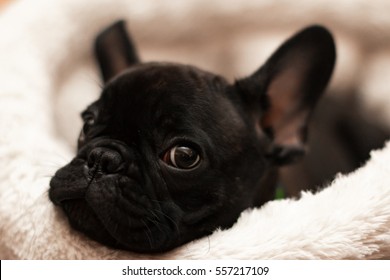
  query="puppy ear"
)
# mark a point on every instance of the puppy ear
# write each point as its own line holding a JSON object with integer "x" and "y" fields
{"x": 282, "y": 93}
{"x": 114, "y": 50}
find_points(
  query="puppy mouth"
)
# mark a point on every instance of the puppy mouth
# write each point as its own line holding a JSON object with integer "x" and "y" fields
{"x": 83, "y": 218}
{"x": 114, "y": 211}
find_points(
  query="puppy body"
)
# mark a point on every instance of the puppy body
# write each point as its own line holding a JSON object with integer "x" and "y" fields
{"x": 169, "y": 152}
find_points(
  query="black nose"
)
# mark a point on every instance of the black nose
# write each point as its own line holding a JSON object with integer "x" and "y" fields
{"x": 104, "y": 161}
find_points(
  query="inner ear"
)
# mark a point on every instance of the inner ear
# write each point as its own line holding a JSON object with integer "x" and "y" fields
{"x": 288, "y": 86}
{"x": 288, "y": 111}
{"x": 114, "y": 50}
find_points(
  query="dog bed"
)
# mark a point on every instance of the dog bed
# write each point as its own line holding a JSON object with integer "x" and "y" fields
{"x": 47, "y": 77}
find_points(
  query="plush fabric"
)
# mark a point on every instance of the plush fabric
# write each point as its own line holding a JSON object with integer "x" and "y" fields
{"x": 46, "y": 66}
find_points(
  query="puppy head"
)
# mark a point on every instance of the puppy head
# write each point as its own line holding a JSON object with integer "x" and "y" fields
{"x": 169, "y": 152}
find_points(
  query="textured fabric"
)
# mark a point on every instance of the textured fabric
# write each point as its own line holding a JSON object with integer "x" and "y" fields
{"x": 46, "y": 66}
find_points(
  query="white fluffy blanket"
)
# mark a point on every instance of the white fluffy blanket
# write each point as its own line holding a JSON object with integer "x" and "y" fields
{"x": 46, "y": 65}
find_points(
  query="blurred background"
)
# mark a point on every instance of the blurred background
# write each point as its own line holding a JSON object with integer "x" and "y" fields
{"x": 234, "y": 38}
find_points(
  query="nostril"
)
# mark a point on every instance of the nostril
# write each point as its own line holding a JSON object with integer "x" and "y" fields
{"x": 111, "y": 162}
{"x": 94, "y": 158}
{"x": 105, "y": 161}
{"x": 91, "y": 162}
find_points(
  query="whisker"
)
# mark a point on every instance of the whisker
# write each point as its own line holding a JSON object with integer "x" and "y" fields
{"x": 147, "y": 235}
{"x": 159, "y": 225}
{"x": 169, "y": 218}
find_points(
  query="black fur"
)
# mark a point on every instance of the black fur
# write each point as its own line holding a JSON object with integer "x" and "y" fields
{"x": 122, "y": 190}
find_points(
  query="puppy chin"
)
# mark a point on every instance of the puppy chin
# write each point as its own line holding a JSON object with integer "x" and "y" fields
{"x": 83, "y": 219}
{"x": 134, "y": 234}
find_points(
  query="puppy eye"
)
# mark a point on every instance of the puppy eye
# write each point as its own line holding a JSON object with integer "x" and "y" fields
{"x": 182, "y": 157}
{"x": 89, "y": 120}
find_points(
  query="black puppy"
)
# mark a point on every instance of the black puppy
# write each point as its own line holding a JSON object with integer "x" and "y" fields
{"x": 169, "y": 152}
